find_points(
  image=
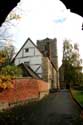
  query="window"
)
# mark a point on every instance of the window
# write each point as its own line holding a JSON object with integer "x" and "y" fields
{"x": 26, "y": 50}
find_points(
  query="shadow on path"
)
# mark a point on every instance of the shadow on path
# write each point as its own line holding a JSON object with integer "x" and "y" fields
{"x": 58, "y": 109}
{"x": 55, "y": 109}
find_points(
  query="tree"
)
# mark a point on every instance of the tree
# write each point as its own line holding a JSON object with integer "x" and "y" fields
{"x": 6, "y": 55}
{"x": 11, "y": 70}
{"x": 6, "y": 66}
{"x": 9, "y": 24}
{"x": 71, "y": 63}
{"x": 10, "y": 51}
{"x": 7, "y": 69}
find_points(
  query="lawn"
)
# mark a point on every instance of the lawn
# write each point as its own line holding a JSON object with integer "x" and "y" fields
{"x": 78, "y": 95}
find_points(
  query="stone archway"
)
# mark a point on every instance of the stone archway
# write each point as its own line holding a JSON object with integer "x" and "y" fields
{"x": 75, "y": 7}
{"x": 5, "y": 7}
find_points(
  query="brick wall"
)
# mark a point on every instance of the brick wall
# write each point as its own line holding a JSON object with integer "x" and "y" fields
{"x": 24, "y": 89}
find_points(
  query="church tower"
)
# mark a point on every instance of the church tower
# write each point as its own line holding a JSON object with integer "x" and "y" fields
{"x": 49, "y": 49}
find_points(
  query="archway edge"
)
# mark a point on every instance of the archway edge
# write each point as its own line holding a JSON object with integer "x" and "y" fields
{"x": 75, "y": 7}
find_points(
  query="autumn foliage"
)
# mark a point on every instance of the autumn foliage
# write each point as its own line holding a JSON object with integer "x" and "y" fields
{"x": 2, "y": 57}
{"x": 5, "y": 82}
{"x": 7, "y": 70}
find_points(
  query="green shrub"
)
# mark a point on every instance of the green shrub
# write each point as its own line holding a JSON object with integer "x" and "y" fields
{"x": 11, "y": 70}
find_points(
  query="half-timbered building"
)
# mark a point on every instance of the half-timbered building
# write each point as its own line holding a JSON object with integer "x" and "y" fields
{"x": 41, "y": 65}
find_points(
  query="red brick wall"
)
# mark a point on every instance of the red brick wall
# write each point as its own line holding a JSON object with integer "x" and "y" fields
{"x": 23, "y": 90}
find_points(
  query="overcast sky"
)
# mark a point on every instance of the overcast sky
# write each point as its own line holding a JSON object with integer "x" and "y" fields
{"x": 48, "y": 18}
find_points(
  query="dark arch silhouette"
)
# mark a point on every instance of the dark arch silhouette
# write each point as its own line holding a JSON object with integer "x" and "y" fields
{"x": 5, "y": 7}
{"x": 74, "y": 6}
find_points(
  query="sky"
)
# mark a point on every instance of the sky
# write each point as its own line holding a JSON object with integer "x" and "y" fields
{"x": 47, "y": 18}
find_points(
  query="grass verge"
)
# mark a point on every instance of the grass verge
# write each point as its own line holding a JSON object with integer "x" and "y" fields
{"x": 78, "y": 95}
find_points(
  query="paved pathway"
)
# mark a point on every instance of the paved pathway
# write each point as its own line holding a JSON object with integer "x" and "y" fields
{"x": 57, "y": 109}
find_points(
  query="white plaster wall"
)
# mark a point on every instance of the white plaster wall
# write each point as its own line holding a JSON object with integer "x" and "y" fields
{"x": 32, "y": 60}
{"x": 34, "y": 67}
{"x": 40, "y": 75}
{"x": 28, "y": 44}
{"x": 19, "y": 55}
{"x": 39, "y": 70}
{"x": 33, "y": 56}
{"x": 21, "y": 60}
{"x": 31, "y": 52}
{"x": 16, "y": 62}
{"x": 36, "y": 60}
{"x": 37, "y": 53}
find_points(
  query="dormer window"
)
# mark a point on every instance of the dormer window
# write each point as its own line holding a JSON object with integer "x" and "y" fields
{"x": 26, "y": 50}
